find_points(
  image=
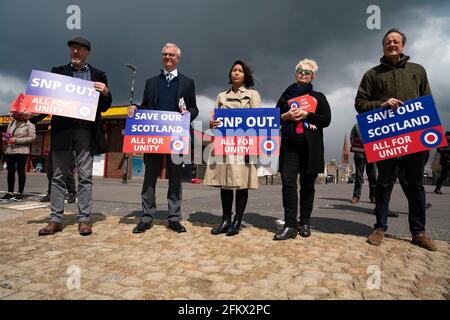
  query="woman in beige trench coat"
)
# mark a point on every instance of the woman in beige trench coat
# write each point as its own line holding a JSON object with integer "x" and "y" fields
{"x": 234, "y": 173}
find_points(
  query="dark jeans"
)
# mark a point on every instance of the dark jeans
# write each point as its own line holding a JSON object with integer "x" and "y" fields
{"x": 442, "y": 178}
{"x": 174, "y": 193}
{"x": 70, "y": 182}
{"x": 227, "y": 201}
{"x": 19, "y": 160}
{"x": 293, "y": 163}
{"x": 388, "y": 171}
{"x": 371, "y": 170}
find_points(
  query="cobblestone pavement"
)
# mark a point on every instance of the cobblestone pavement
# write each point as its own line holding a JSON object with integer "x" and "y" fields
{"x": 161, "y": 264}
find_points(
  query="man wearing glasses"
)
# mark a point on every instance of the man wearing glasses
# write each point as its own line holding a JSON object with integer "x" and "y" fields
{"x": 168, "y": 91}
{"x": 389, "y": 84}
{"x": 85, "y": 138}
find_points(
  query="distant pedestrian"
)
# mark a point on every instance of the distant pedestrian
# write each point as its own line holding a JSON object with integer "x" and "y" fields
{"x": 360, "y": 159}
{"x": 445, "y": 164}
{"x": 19, "y": 134}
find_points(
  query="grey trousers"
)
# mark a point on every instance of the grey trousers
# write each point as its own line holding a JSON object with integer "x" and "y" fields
{"x": 84, "y": 159}
{"x": 174, "y": 193}
{"x": 70, "y": 182}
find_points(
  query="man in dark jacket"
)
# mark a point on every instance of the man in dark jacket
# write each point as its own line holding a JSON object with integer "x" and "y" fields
{"x": 85, "y": 138}
{"x": 390, "y": 83}
{"x": 168, "y": 91}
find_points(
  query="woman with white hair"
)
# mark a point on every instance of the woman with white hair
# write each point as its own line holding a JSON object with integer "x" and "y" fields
{"x": 302, "y": 150}
{"x": 18, "y": 137}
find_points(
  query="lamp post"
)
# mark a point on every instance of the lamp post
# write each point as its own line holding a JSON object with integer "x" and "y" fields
{"x": 132, "y": 68}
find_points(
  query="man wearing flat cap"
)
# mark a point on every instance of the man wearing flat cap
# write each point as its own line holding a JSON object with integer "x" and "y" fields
{"x": 84, "y": 138}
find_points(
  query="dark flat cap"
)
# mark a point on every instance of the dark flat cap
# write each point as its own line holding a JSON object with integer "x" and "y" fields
{"x": 81, "y": 41}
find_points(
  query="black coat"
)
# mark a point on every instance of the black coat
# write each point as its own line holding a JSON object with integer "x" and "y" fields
{"x": 61, "y": 127}
{"x": 314, "y": 138}
{"x": 186, "y": 90}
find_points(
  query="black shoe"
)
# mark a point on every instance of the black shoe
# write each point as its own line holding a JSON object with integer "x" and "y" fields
{"x": 223, "y": 227}
{"x": 7, "y": 196}
{"x": 428, "y": 206}
{"x": 235, "y": 226}
{"x": 305, "y": 230}
{"x": 286, "y": 233}
{"x": 176, "y": 226}
{"x": 438, "y": 191}
{"x": 18, "y": 197}
{"x": 46, "y": 198}
{"x": 141, "y": 227}
{"x": 72, "y": 198}
{"x": 393, "y": 214}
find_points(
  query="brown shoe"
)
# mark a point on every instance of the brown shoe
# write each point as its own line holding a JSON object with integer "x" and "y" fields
{"x": 422, "y": 240}
{"x": 85, "y": 228}
{"x": 376, "y": 238}
{"x": 51, "y": 228}
{"x": 354, "y": 200}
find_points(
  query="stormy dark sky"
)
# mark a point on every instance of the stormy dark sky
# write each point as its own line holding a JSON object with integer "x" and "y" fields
{"x": 271, "y": 36}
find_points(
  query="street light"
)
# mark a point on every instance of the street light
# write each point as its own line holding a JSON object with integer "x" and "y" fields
{"x": 132, "y": 68}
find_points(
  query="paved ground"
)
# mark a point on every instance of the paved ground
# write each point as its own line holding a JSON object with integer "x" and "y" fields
{"x": 112, "y": 263}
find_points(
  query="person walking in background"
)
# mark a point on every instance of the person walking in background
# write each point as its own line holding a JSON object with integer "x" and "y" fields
{"x": 70, "y": 182}
{"x": 444, "y": 162}
{"x": 302, "y": 150}
{"x": 360, "y": 162}
{"x": 165, "y": 92}
{"x": 19, "y": 134}
{"x": 235, "y": 173}
{"x": 389, "y": 84}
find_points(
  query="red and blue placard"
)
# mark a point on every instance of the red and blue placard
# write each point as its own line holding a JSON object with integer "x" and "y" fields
{"x": 253, "y": 131}
{"x": 60, "y": 95}
{"x": 152, "y": 131}
{"x": 411, "y": 128}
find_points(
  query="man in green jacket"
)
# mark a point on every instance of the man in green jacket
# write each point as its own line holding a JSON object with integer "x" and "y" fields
{"x": 390, "y": 83}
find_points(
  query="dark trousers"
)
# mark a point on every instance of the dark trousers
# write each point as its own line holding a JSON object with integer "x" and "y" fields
{"x": 442, "y": 178}
{"x": 174, "y": 193}
{"x": 371, "y": 170}
{"x": 16, "y": 162}
{"x": 388, "y": 171}
{"x": 293, "y": 163}
{"x": 227, "y": 201}
{"x": 70, "y": 182}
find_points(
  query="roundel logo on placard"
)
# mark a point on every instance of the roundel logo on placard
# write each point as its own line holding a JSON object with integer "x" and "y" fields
{"x": 431, "y": 138}
{"x": 268, "y": 145}
{"x": 294, "y": 105}
{"x": 177, "y": 145}
{"x": 84, "y": 111}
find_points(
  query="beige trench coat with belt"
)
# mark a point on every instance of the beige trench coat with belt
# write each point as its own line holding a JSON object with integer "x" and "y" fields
{"x": 233, "y": 172}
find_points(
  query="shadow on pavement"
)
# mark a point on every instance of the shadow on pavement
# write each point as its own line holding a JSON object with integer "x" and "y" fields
{"x": 348, "y": 207}
{"x": 336, "y": 199}
{"x": 159, "y": 218}
{"x": 332, "y": 225}
{"x": 254, "y": 219}
{"x": 71, "y": 219}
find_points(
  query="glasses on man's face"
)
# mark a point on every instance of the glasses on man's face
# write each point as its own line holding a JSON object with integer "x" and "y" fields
{"x": 305, "y": 72}
{"x": 166, "y": 54}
